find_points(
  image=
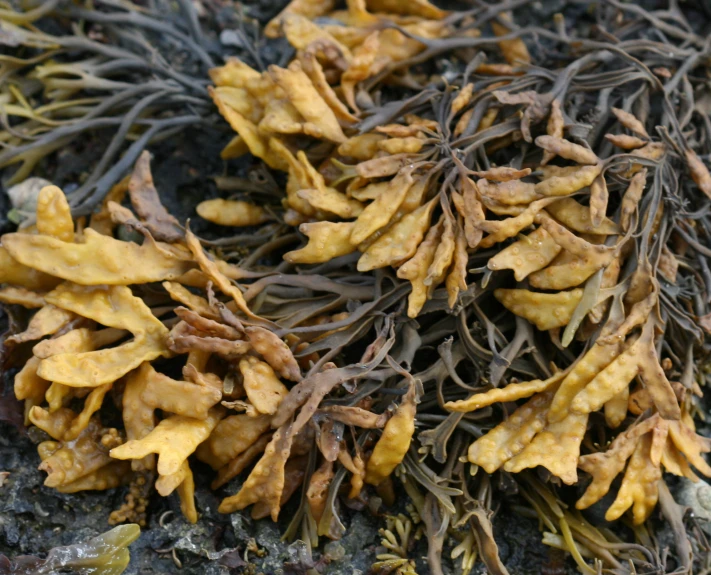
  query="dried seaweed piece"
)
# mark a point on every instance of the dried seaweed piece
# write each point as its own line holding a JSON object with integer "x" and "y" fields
{"x": 631, "y": 198}
{"x": 183, "y": 481}
{"x": 471, "y": 209}
{"x": 145, "y": 200}
{"x": 194, "y": 322}
{"x": 235, "y": 466}
{"x": 599, "y": 196}
{"x": 630, "y": 122}
{"x": 139, "y": 419}
{"x": 351, "y": 415}
{"x": 639, "y": 488}
{"x": 308, "y": 8}
{"x": 625, "y": 141}
{"x": 311, "y": 390}
{"x": 332, "y": 201}
{"x": 691, "y": 444}
{"x": 500, "y": 230}
{"x": 605, "y": 466}
{"x": 321, "y": 121}
{"x": 443, "y": 255}
{"x": 109, "y": 476}
{"x": 53, "y": 423}
{"x": 178, "y": 342}
{"x": 699, "y": 172}
{"x": 317, "y": 491}
{"x": 457, "y": 275}
{"x": 196, "y": 303}
{"x": 47, "y": 321}
{"x": 554, "y": 127}
{"x": 274, "y": 351}
{"x": 21, "y": 296}
{"x": 28, "y": 385}
{"x": 257, "y": 143}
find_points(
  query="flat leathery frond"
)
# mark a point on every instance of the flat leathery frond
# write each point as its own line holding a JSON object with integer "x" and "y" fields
{"x": 456, "y": 280}
{"x": 331, "y": 200}
{"x": 557, "y": 186}
{"x": 510, "y": 437}
{"x": 231, "y": 437}
{"x": 511, "y": 392}
{"x": 415, "y": 269}
{"x": 674, "y": 461}
{"x": 639, "y": 488}
{"x": 605, "y": 466}
{"x": 509, "y": 192}
{"x": 178, "y": 397}
{"x": 113, "y": 306}
{"x": 378, "y": 213}
{"x": 582, "y": 373}
{"x": 556, "y": 447}
{"x": 577, "y": 217}
{"x": 563, "y": 276}
{"x": 608, "y": 382}
{"x": 266, "y": 481}
{"x": 692, "y": 445}
{"x": 544, "y": 310}
{"x": 595, "y": 254}
{"x": 395, "y": 440}
{"x": 527, "y": 255}
{"x": 327, "y": 240}
{"x": 400, "y": 242}
{"x": 102, "y": 257}
{"x": 500, "y": 230}
{"x": 263, "y": 388}
{"x": 173, "y": 439}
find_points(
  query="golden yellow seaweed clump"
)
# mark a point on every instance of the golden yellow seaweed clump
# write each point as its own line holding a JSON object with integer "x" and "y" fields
{"x": 110, "y": 312}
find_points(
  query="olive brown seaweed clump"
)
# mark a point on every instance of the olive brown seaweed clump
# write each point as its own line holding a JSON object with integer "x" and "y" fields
{"x": 586, "y": 180}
